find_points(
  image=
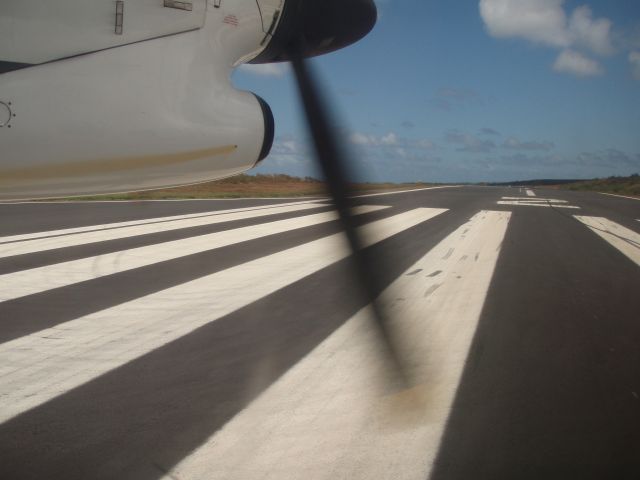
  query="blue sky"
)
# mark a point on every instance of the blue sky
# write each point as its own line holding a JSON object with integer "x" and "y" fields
{"x": 474, "y": 90}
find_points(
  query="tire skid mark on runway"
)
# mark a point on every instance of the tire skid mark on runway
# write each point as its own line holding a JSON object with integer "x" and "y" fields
{"x": 623, "y": 239}
{"x": 29, "y": 282}
{"x": 93, "y": 236}
{"x": 301, "y": 422}
{"x": 547, "y": 390}
{"x": 141, "y": 413}
{"x": 157, "y": 409}
{"x": 38, "y": 369}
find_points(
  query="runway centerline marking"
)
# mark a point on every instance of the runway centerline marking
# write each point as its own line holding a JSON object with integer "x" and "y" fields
{"x": 35, "y": 369}
{"x": 40, "y": 279}
{"x": 324, "y": 406}
{"x": 625, "y": 240}
{"x": 102, "y": 233}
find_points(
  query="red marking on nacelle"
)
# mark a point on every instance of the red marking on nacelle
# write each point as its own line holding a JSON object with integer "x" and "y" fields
{"x": 231, "y": 20}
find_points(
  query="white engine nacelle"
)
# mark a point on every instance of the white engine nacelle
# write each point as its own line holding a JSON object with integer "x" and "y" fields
{"x": 100, "y": 96}
{"x": 144, "y": 108}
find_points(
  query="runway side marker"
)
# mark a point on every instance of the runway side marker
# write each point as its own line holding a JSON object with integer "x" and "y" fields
{"x": 329, "y": 408}
{"x": 625, "y": 240}
{"x": 35, "y": 369}
{"x": 619, "y": 196}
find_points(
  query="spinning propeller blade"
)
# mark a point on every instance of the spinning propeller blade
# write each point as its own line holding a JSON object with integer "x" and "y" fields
{"x": 314, "y": 27}
{"x": 334, "y": 165}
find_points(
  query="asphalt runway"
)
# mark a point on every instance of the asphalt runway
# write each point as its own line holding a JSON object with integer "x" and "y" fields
{"x": 224, "y": 339}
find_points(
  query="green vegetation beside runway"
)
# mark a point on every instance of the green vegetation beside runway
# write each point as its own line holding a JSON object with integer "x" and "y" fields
{"x": 250, "y": 186}
{"x": 629, "y": 186}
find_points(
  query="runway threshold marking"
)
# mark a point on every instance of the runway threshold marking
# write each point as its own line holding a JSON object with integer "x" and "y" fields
{"x": 625, "y": 240}
{"x": 40, "y": 279}
{"x": 102, "y": 233}
{"x": 315, "y": 417}
{"x": 28, "y": 282}
{"x": 41, "y": 366}
{"x": 143, "y": 221}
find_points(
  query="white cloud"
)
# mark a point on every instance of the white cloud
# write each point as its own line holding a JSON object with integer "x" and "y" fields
{"x": 265, "y": 69}
{"x": 545, "y": 22}
{"x": 389, "y": 139}
{"x": 570, "y": 61}
{"x": 362, "y": 139}
{"x": 592, "y": 34}
{"x": 539, "y": 21}
{"x": 634, "y": 60}
{"x": 401, "y": 152}
{"x": 286, "y": 145}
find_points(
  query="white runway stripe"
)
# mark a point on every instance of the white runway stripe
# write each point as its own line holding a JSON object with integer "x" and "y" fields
{"x": 38, "y": 367}
{"x": 625, "y": 240}
{"x": 100, "y": 233}
{"x": 530, "y": 193}
{"x": 28, "y": 282}
{"x": 528, "y": 203}
{"x": 144, "y": 221}
{"x": 536, "y": 200}
{"x": 326, "y": 417}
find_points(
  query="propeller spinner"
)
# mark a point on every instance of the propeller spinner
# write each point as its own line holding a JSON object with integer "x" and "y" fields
{"x": 315, "y": 27}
